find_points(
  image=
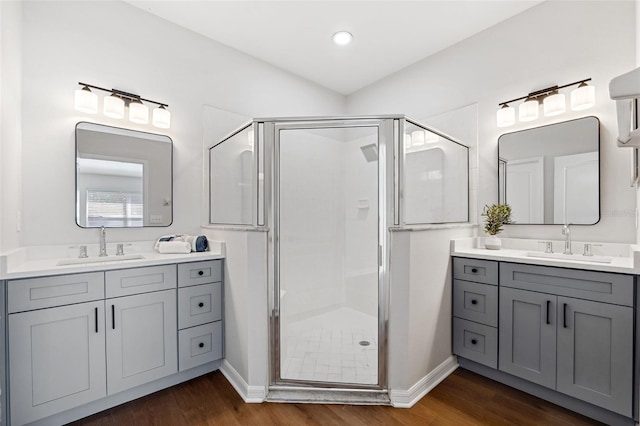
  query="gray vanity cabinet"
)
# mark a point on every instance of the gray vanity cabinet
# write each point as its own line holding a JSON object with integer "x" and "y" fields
{"x": 527, "y": 335}
{"x": 595, "y": 353}
{"x": 475, "y": 310}
{"x": 550, "y": 335}
{"x": 568, "y": 331}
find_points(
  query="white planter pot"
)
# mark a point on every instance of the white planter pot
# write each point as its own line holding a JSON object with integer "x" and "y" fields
{"x": 492, "y": 243}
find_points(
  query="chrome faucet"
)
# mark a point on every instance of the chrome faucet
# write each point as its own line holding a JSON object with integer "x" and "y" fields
{"x": 103, "y": 242}
{"x": 566, "y": 231}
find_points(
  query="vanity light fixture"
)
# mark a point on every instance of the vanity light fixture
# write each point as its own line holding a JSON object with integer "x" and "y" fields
{"x": 114, "y": 105}
{"x": 506, "y": 116}
{"x": 86, "y": 100}
{"x": 554, "y": 103}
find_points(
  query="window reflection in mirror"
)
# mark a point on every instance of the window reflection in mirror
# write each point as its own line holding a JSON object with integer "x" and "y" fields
{"x": 551, "y": 174}
{"x": 123, "y": 177}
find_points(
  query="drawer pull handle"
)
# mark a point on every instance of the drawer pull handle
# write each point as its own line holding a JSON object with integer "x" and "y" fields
{"x": 474, "y": 302}
{"x": 201, "y": 345}
{"x": 474, "y": 341}
{"x": 201, "y": 273}
{"x": 548, "y": 306}
{"x": 474, "y": 270}
{"x": 113, "y": 317}
{"x": 96, "y": 318}
{"x": 200, "y": 305}
{"x": 564, "y": 315}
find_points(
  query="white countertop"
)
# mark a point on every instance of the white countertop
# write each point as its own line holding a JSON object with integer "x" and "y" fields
{"x": 43, "y": 260}
{"x": 625, "y": 257}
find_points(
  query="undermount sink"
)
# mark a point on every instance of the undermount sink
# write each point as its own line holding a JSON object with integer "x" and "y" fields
{"x": 570, "y": 257}
{"x": 106, "y": 259}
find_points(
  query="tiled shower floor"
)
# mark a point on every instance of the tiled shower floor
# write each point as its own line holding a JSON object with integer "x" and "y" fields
{"x": 327, "y": 348}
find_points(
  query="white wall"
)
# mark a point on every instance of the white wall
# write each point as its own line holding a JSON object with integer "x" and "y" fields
{"x": 112, "y": 44}
{"x": 10, "y": 124}
{"x": 572, "y": 40}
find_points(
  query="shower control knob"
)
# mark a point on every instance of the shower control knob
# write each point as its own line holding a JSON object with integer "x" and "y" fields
{"x": 201, "y": 345}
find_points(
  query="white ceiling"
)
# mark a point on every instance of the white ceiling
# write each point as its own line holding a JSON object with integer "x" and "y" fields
{"x": 296, "y": 35}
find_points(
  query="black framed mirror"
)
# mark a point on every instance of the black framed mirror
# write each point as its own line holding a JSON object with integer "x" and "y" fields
{"x": 124, "y": 178}
{"x": 551, "y": 174}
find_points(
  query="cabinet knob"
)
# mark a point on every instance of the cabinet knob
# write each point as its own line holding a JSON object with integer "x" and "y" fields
{"x": 201, "y": 345}
{"x": 474, "y": 270}
{"x": 474, "y": 302}
{"x": 200, "y": 305}
{"x": 200, "y": 273}
{"x": 474, "y": 341}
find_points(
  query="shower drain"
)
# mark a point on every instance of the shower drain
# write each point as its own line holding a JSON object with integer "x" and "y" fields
{"x": 364, "y": 343}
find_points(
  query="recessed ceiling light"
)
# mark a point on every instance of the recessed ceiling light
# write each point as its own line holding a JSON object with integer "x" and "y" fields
{"x": 342, "y": 38}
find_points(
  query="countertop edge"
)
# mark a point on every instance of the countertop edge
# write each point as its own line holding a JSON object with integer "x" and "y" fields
{"x": 43, "y": 268}
{"x": 600, "y": 267}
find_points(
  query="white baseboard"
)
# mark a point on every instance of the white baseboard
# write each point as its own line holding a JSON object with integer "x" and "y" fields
{"x": 250, "y": 394}
{"x": 407, "y": 398}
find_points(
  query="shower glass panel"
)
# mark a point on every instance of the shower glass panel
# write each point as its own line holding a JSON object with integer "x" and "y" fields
{"x": 327, "y": 220}
{"x": 232, "y": 175}
{"x": 435, "y": 176}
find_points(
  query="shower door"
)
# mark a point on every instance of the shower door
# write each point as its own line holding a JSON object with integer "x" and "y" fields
{"x": 327, "y": 255}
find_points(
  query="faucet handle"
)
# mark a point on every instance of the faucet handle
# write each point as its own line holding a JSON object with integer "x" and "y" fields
{"x": 548, "y": 248}
{"x": 587, "y": 248}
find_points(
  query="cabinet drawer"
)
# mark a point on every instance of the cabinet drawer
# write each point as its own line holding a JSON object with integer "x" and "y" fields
{"x": 45, "y": 292}
{"x": 125, "y": 282}
{"x": 194, "y": 273}
{"x": 199, "y": 304}
{"x": 476, "y": 342}
{"x": 476, "y": 302}
{"x": 591, "y": 285}
{"x": 200, "y": 345}
{"x": 482, "y": 271}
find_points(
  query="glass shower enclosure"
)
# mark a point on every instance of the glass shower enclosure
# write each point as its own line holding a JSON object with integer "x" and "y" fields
{"x": 330, "y": 191}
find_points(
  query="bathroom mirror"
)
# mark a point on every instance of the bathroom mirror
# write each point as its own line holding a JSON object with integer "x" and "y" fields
{"x": 123, "y": 177}
{"x": 551, "y": 174}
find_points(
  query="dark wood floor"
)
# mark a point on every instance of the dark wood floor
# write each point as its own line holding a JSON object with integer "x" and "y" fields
{"x": 464, "y": 398}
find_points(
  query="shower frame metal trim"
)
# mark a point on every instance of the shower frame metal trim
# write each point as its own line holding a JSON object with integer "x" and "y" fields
{"x": 386, "y": 144}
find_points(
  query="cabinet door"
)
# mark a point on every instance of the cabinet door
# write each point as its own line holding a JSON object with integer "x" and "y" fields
{"x": 595, "y": 353}
{"x": 56, "y": 360}
{"x": 527, "y": 335}
{"x": 141, "y": 339}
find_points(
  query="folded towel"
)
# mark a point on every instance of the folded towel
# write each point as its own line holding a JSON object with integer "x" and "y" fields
{"x": 196, "y": 242}
{"x": 173, "y": 247}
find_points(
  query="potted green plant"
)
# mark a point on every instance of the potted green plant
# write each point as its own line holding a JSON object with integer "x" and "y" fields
{"x": 496, "y": 215}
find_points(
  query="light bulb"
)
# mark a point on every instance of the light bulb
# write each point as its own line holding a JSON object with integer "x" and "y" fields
{"x": 138, "y": 112}
{"x": 161, "y": 117}
{"x": 431, "y": 137}
{"x": 342, "y": 38}
{"x": 528, "y": 110}
{"x": 583, "y": 97}
{"x": 113, "y": 106}
{"x": 506, "y": 116}
{"x": 417, "y": 138}
{"x": 554, "y": 105}
{"x": 86, "y": 101}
